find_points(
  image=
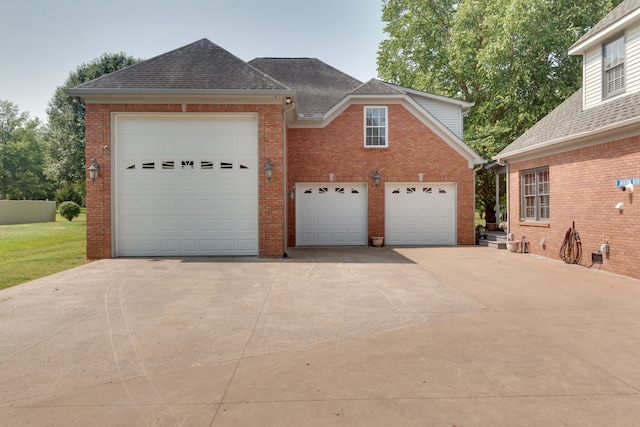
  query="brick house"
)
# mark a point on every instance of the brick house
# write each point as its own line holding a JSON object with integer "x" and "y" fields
{"x": 201, "y": 153}
{"x": 574, "y": 165}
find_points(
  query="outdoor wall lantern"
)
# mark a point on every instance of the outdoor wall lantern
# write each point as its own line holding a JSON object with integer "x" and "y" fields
{"x": 376, "y": 178}
{"x": 94, "y": 170}
{"x": 268, "y": 170}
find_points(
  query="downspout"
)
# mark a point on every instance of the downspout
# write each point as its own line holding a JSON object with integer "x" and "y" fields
{"x": 284, "y": 173}
{"x": 503, "y": 162}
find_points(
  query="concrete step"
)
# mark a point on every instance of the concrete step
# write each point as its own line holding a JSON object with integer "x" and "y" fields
{"x": 492, "y": 244}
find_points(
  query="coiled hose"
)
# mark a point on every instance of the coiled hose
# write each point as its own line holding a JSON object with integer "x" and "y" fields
{"x": 571, "y": 249}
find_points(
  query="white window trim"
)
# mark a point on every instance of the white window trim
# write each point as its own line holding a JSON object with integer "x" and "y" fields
{"x": 385, "y": 127}
{"x": 605, "y": 81}
{"x": 536, "y": 195}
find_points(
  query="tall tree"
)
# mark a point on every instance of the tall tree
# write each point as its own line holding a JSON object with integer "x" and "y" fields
{"x": 21, "y": 156}
{"x": 65, "y": 135}
{"x": 509, "y": 57}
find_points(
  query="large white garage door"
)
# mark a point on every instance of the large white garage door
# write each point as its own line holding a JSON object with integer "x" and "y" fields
{"x": 186, "y": 185}
{"x": 419, "y": 213}
{"x": 331, "y": 214}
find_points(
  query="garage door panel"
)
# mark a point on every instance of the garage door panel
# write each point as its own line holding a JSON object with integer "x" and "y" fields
{"x": 420, "y": 213}
{"x": 331, "y": 214}
{"x": 171, "y": 174}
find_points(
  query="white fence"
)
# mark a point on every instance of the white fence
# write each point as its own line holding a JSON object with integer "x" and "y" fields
{"x": 26, "y": 211}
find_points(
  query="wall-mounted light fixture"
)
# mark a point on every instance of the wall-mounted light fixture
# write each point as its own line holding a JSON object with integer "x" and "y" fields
{"x": 628, "y": 187}
{"x": 94, "y": 170}
{"x": 620, "y": 206}
{"x": 268, "y": 170}
{"x": 376, "y": 178}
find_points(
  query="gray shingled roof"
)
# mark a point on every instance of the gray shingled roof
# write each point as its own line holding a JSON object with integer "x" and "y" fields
{"x": 570, "y": 120}
{"x": 318, "y": 86}
{"x": 202, "y": 65}
{"x": 617, "y": 13}
{"x": 376, "y": 87}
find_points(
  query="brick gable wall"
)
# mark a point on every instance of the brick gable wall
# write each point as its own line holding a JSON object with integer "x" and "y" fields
{"x": 99, "y": 193}
{"x": 412, "y": 148}
{"x": 582, "y": 186}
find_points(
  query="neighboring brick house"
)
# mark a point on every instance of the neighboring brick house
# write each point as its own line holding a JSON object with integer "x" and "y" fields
{"x": 572, "y": 165}
{"x": 201, "y": 153}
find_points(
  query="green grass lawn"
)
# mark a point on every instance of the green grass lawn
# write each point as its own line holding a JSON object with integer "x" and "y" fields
{"x": 31, "y": 251}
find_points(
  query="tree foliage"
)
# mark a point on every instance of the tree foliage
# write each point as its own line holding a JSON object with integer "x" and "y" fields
{"x": 509, "y": 57}
{"x": 21, "y": 156}
{"x": 65, "y": 136}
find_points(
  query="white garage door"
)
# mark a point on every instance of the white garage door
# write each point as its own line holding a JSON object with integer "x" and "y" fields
{"x": 419, "y": 213}
{"x": 331, "y": 214}
{"x": 186, "y": 185}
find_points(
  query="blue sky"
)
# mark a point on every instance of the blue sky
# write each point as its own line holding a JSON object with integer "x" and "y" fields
{"x": 42, "y": 41}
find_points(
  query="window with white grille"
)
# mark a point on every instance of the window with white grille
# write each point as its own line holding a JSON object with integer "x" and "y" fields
{"x": 535, "y": 195}
{"x": 614, "y": 58}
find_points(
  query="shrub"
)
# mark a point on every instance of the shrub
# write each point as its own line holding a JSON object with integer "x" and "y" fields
{"x": 69, "y": 192}
{"x": 69, "y": 210}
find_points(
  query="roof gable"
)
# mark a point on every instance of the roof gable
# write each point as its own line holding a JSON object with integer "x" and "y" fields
{"x": 202, "y": 65}
{"x": 623, "y": 10}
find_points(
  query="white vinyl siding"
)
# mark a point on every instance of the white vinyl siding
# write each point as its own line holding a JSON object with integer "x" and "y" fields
{"x": 447, "y": 114}
{"x": 633, "y": 60}
{"x": 593, "y": 78}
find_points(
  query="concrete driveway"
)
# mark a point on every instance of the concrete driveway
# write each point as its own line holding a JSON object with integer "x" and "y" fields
{"x": 464, "y": 336}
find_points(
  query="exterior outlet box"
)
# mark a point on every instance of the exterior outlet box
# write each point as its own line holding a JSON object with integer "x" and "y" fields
{"x": 596, "y": 258}
{"x": 604, "y": 248}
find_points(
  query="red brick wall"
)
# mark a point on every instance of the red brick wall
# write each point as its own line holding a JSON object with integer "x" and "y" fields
{"x": 412, "y": 148}
{"x": 271, "y": 203}
{"x": 582, "y": 186}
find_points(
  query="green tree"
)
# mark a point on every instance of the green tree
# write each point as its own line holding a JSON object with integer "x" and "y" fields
{"x": 509, "y": 57}
{"x": 21, "y": 156}
{"x": 65, "y": 137}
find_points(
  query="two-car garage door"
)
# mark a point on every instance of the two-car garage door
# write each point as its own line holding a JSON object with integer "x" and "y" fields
{"x": 186, "y": 185}
{"x": 416, "y": 213}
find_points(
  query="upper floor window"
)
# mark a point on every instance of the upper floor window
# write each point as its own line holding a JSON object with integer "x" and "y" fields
{"x": 614, "y": 52}
{"x": 535, "y": 195}
{"x": 375, "y": 126}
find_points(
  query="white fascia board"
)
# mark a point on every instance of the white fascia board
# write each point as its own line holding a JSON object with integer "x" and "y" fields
{"x": 604, "y": 34}
{"x": 144, "y": 96}
{"x": 412, "y": 106}
{"x": 614, "y": 132}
